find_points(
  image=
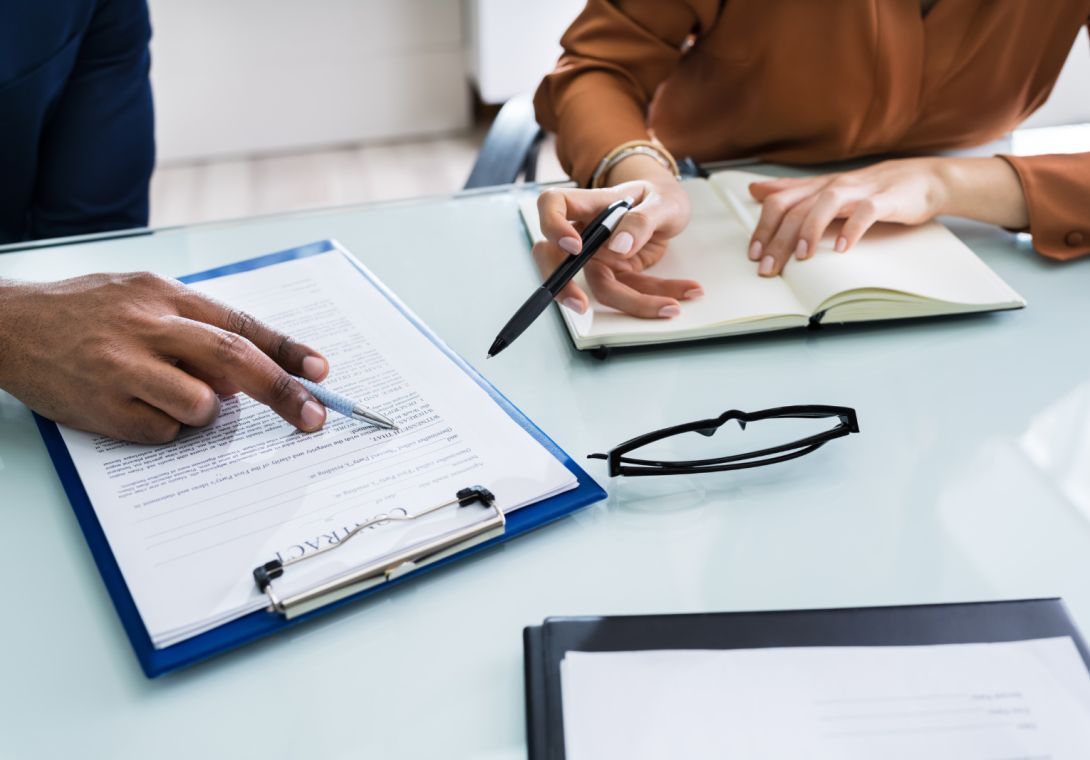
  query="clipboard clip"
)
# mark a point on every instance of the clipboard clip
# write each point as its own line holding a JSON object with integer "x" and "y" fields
{"x": 388, "y": 568}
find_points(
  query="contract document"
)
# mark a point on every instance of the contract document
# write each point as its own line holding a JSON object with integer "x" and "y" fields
{"x": 188, "y": 522}
{"x": 1002, "y": 701}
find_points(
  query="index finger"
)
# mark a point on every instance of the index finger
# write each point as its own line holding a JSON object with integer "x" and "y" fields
{"x": 232, "y": 358}
{"x": 297, "y": 358}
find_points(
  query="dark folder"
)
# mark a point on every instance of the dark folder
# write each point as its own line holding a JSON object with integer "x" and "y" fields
{"x": 544, "y": 646}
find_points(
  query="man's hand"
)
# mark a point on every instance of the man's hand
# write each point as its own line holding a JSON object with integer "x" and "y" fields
{"x": 136, "y": 356}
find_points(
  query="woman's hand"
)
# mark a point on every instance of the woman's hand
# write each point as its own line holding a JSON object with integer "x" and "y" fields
{"x": 796, "y": 212}
{"x": 136, "y": 356}
{"x": 615, "y": 274}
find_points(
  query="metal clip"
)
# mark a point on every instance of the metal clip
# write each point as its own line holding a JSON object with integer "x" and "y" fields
{"x": 380, "y": 571}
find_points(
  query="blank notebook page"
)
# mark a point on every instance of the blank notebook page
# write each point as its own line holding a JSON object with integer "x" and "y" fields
{"x": 925, "y": 260}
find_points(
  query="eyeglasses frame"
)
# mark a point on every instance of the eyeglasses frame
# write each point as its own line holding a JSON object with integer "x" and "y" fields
{"x": 619, "y": 464}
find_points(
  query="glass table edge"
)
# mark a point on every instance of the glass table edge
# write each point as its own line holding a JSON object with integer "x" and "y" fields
{"x": 98, "y": 237}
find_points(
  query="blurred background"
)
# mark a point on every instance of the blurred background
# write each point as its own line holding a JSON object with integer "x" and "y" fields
{"x": 265, "y": 106}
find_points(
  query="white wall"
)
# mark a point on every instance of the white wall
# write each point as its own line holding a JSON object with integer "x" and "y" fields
{"x": 514, "y": 43}
{"x": 504, "y": 64}
{"x": 1070, "y": 99}
{"x": 242, "y": 77}
{"x": 258, "y": 76}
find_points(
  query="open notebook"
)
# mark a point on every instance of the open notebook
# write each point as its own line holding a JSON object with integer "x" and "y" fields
{"x": 894, "y": 272}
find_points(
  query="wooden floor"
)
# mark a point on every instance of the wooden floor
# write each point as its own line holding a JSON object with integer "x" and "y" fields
{"x": 238, "y": 187}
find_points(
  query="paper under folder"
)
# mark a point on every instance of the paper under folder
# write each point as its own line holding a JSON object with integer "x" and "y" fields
{"x": 492, "y": 527}
{"x": 545, "y": 646}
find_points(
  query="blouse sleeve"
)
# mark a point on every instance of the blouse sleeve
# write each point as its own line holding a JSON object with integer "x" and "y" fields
{"x": 616, "y": 53}
{"x": 1057, "y": 190}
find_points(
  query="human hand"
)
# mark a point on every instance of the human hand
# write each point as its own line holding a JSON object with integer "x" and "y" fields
{"x": 136, "y": 356}
{"x": 616, "y": 272}
{"x": 796, "y": 212}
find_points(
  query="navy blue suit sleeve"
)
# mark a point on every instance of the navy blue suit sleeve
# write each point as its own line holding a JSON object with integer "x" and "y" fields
{"x": 97, "y": 147}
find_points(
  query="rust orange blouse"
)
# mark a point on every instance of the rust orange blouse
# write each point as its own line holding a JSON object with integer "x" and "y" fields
{"x": 808, "y": 81}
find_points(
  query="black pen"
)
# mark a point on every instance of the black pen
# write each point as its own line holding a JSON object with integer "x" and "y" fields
{"x": 595, "y": 233}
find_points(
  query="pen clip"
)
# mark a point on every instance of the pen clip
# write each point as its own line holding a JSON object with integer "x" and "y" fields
{"x": 616, "y": 213}
{"x": 606, "y": 218}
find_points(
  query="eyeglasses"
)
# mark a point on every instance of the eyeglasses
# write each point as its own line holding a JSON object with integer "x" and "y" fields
{"x": 620, "y": 464}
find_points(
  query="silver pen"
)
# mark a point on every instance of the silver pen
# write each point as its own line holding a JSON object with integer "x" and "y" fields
{"x": 346, "y": 406}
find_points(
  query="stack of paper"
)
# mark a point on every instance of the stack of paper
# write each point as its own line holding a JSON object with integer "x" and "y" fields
{"x": 1003, "y": 701}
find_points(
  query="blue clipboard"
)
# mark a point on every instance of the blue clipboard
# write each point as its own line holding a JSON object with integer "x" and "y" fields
{"x": 256, "y": 625}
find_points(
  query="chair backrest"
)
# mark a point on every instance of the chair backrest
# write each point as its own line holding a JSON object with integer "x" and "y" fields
{"x": 510, "y": 147}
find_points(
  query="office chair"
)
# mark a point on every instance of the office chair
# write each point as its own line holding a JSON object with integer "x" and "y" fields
{"x": 510, "y": 148}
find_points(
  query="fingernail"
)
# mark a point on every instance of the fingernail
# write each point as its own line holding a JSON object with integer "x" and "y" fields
{"x": 621, "y": 243}
{"x": 314, "y": 368}
{"x": 766, "y": 265}
{"x": 574, "y": 304}
{"x": 313, "y": 415}
{"x": 670, "y": 311}
{"x": 693, "y": 294}
{"x": 755, "y": 250}
{"x": 841, "y": 244}
{"x": 570, "y": 244}
{"x": 801, "y": 250}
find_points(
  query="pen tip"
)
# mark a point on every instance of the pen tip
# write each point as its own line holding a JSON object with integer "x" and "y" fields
{"x": 497, "y": 345}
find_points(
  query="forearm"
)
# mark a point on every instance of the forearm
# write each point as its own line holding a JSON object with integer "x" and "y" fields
{"x": 985, "y": 189}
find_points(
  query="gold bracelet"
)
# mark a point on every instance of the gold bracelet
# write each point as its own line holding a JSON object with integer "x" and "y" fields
{"x": 652, "y": 149}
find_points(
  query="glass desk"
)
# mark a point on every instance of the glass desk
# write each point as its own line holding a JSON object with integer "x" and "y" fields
{"x": 970, "y": 481}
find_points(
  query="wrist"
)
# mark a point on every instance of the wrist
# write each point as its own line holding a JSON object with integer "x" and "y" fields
{"x": 944, "y": 186}
{"x": 8, "y": 292}
{"x": 984, "y": 189}
{"x": 955, "y": 179}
